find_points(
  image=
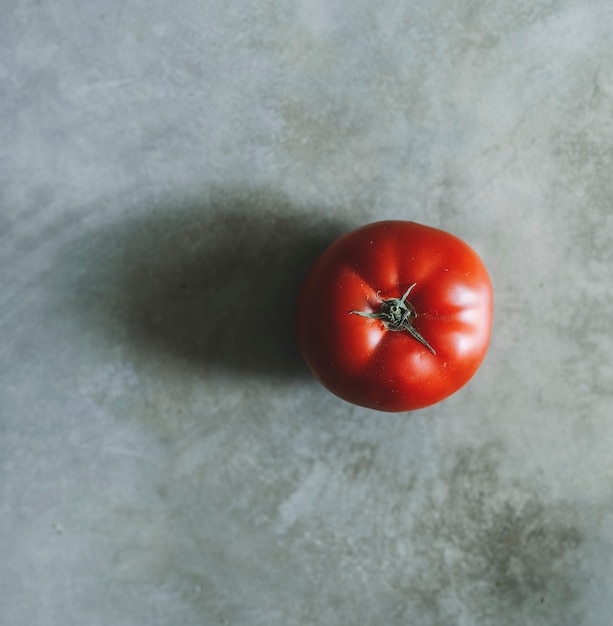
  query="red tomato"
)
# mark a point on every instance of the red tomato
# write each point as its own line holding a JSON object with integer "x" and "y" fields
{"x": 395, "y": 316}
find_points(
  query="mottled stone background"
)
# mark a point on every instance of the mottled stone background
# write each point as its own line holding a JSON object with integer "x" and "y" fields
{"x": 168, "y": 171}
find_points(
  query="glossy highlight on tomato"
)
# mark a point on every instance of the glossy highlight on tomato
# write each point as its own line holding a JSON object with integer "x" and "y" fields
{"x": 395, "y": 316}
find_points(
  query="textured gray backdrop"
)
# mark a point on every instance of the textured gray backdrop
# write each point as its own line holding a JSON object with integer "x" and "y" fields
{"x": 168, "y": 170}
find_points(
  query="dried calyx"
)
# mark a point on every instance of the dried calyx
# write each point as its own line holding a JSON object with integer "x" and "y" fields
{"x": 397, "y": 315}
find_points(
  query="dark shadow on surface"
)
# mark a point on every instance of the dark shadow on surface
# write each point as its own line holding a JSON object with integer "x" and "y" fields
{"x": 212, "y": 283}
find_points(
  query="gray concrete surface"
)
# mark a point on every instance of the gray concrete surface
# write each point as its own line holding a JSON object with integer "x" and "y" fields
{"x": 167, "y": 173}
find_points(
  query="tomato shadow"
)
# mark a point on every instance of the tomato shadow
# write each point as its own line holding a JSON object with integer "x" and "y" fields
{"x": 211, "y": 284}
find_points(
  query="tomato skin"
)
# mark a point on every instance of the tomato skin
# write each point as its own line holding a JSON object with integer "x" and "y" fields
{"x": 358, "y": 358}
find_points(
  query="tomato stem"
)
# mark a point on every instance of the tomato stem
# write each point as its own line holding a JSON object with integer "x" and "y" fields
{"x": 397, "y": 314}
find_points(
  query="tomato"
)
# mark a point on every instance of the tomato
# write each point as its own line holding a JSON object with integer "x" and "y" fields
{"x": 395, "y": 316}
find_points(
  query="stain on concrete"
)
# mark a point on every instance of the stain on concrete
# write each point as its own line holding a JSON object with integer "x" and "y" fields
{"x": 494, "y": 548}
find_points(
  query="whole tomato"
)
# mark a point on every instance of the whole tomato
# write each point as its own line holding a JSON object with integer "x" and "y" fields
{"x": 395, "y": 316}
